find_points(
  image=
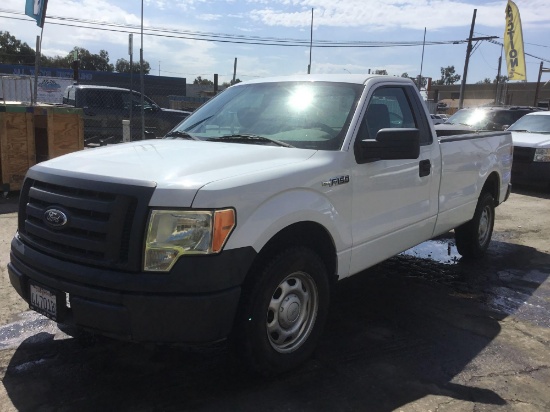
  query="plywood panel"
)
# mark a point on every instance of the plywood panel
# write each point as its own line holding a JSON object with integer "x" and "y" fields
{"x": 66, "y": 136}
{"x": 17, "y": 148}
{"x": 58, "y": 131}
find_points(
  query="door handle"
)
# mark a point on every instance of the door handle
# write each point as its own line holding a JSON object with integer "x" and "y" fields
{"x": 424, "y": 168}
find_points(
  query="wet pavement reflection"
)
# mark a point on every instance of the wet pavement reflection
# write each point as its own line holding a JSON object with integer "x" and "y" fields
{"x": 438, "y": 250}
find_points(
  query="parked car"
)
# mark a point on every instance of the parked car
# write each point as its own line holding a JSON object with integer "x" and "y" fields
{"x": 105, "y": 107}
{"x": 488, "y": 118}
{"x": 531, "y": 139}
{"x": 437, "y": 119}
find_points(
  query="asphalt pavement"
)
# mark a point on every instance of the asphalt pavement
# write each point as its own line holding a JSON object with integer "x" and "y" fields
{"x": 423, "y": 331}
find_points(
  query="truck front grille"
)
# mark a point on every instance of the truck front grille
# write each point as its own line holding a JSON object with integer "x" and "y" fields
{"x": 523, "y": 154}
{"x": 104, "y": 225}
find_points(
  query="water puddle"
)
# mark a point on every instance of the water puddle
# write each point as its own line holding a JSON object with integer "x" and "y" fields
{"x": 439, "y": 250}
{"x": 29, "y": 326}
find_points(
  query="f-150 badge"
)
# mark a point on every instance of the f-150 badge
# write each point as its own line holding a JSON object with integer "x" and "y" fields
{"x": 335, "y": 181}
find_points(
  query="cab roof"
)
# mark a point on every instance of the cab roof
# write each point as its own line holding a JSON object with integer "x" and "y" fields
{"x": 336, "y": 78}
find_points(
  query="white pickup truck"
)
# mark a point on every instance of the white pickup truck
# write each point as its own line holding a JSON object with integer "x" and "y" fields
{"x": 237, "y": 224}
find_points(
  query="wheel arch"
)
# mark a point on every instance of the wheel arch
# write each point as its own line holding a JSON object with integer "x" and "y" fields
{"x": 492, "y": 186}
{"x": 307, "y": 233}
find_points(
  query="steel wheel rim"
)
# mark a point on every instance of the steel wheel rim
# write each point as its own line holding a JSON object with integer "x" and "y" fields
{"x": 292, "y": 312}
{"x": 484, "y": 229}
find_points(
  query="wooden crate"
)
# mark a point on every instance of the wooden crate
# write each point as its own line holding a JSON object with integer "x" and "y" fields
{"x": 17, "y": 145}
{"x": 58, "y": 131}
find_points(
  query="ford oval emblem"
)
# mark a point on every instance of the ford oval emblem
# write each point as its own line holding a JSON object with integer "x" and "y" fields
{"x": 55, "y": 218}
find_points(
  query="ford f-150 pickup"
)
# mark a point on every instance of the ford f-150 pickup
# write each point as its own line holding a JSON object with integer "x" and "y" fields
{"x": 237, "y": 224}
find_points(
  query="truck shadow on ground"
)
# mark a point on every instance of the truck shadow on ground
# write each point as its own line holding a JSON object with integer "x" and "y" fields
{"x": 400, "y": 332}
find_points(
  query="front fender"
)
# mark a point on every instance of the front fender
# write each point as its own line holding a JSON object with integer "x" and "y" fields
{"x": 285, "y": 209}
{"x": 290, "y": 207}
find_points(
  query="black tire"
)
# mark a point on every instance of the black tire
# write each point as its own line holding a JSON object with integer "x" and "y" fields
{"x": 283, "y": 310}
{"x": 473, "y": 238}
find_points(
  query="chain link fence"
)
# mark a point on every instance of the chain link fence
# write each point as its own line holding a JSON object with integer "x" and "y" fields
{"x": 113, "y": 108}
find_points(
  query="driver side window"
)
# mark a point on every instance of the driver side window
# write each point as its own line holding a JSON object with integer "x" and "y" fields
{"x": 388, "y": 108}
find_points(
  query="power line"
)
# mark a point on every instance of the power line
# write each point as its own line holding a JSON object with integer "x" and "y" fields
{"x": 527, "y": 54}
{"x": 531, "y": 44}
{"x": 224, "y": 38}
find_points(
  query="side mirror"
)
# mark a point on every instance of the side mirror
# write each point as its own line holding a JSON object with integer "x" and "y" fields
{"x": 391, "y": 144}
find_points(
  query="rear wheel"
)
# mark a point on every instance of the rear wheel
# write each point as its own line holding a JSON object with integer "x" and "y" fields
{"x": 283, "y": 311}
{"x": 473, "y": 238}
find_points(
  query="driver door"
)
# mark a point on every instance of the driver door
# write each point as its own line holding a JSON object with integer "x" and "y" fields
{"x": 394, "y": 202}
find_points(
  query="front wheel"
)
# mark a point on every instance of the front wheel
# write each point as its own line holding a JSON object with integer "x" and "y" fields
{"x": 283, "y": 311}
{"x": 473, "y": 238}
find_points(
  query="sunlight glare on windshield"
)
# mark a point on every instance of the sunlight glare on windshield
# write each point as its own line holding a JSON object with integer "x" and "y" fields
{"x": 476, "y": 117}
{"x": 301, "y": 98}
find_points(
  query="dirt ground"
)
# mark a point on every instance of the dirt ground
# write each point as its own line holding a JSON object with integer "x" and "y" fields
{"x": 10, "y": 304}
{"x": 424, "y": 331}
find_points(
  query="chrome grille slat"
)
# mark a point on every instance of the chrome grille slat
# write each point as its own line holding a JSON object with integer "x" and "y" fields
{"x": 64, "y": 239}
{"x": 71, "y": 201}
{"x": 77, "y": 222}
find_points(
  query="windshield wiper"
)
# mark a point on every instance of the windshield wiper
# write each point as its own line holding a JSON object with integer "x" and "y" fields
{"x": 519, "y": 130}
{"x": 252, "y": 138}
{"x": 181, "y": 135}
{"x": 459, "y": 123}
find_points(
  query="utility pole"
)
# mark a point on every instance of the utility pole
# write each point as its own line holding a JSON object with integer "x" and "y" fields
{"x": 141, "y": 79}
{"x": 468, "y": 51}
{"x": 75, "y": 65}
{"x": 310, "y": 43}
{"x": 422, "y": 61}
{"x": 498, "y": 80}
{"x": 234, "y": 72}
{"x": 131, "y": 54}
{"x": 541, "y": 70}
{"x": 36, "y": 65}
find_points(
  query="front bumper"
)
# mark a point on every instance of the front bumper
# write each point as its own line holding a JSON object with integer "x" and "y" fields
{"x": 531, "y": 173}
{"x": 140, "y": 307}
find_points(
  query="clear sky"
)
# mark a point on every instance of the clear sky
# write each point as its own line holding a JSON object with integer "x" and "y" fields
{"x": 368, "y": 21}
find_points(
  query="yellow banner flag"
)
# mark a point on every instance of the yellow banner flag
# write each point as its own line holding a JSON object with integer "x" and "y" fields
{"x": 513, "y": 44}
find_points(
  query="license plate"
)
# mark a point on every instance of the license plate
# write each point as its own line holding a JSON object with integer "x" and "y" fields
{"x": 43, "y": 301}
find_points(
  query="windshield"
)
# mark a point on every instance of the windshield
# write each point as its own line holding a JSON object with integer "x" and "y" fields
{"x": 534, "y": 123}
{"x": 470, "y": 117}
{"x": 311, "y": 115}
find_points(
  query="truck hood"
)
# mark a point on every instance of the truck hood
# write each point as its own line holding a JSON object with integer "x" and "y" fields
{"x": 181, "y": 166}
{"x": 526, "y": 139}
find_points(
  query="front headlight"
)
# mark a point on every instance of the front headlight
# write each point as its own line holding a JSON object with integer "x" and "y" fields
{"x": 542, "y": 155}
{"x": 173, "y": 233}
